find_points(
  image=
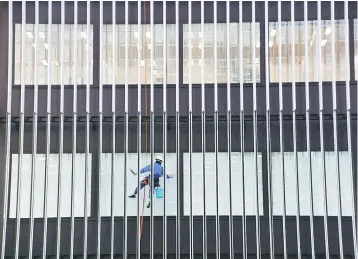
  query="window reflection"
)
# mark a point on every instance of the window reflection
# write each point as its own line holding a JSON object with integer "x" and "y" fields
{"x": 312, "y": 38}
{"x": 145, "y": 62}
{"x": 83, "y": 40}
{"x": 208, "y": 49}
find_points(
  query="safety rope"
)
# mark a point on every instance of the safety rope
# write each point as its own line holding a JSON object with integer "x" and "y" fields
{"x": 142, "y": 217}
{"x": 144, "y": 43}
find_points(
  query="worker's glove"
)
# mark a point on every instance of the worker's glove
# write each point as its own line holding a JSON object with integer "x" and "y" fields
{"x": 169, "y": 175}
{"x": 147, "y": 174}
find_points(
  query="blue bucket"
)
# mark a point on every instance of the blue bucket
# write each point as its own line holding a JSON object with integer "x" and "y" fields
{"x": 159, "y": 192}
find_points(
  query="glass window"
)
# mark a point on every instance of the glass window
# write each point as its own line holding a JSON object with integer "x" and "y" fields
{"x": 208, "y": 49}
{"x": 356, "y": 48}
{"x": 347, "y": 194}
{"x": 171, "y": 191}
{"x": 196, "y": 197}
{"x": 119, "y": 60}
{"x": 52, "y": 191}
{"x": 84, "y": 42}
{"x": 312, "y": 37}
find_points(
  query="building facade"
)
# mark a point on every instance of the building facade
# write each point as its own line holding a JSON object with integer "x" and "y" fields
{"x": 252, "y": 104}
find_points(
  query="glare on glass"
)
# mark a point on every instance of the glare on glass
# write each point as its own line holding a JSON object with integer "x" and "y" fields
{"x": 158, "y": 62}
{"x": 326, "y": 60}
{"x": 208, "y": 49}
{"x": 84, "y": 41}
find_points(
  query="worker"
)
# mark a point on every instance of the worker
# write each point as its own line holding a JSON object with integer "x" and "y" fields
{"x": 158, "y": 172}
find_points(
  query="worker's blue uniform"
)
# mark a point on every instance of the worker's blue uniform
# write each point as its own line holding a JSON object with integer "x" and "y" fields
{"x": 158, "y": 172}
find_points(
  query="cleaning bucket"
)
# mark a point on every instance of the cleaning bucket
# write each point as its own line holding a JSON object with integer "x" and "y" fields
{"x": 159, "y": 192}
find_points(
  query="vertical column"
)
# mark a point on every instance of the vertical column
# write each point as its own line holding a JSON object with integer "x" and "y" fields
{"x": 151, "y": 138}
{"x": 177, "y": 132}
{"x": 294, "y": 128}
{"x": 242, "y": 133}
{"x": 60, "y": 157}
{"x": 139, "y": 124}
{"x": 355, "y": 203}
{"x": 282, "y": 148}
{"x": 165, "y": 125}
{"x": 308, "y": 131}
{"x": 48, "y": 127}
{"x": 253, "y": 62}
{"x": 349, "y": 126}
{"x": 34, "y": 131}
{"x": 321, "y": 127}
{"x": 126, "y": 72}
{"x": 268, "y": 134}
{"x": 74, "y": 130}
{"x": 100, "y": 111}
{"x": 113, "y": 170}
{"x": 228, "y": 101}
{"x": 335, "y": 130}
{"x": 216, "y": 137}
{"x": 191, "y": 225}
{"x": 21, "y": 132}
{"x": 8, "y": 129}
{"x": 203, "y": 132}
{"x": 88, "y": 113}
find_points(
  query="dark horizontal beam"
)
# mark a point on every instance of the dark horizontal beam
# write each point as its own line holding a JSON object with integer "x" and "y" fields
{"x": 183, "y": 11}
{"x": 171, "y": 119}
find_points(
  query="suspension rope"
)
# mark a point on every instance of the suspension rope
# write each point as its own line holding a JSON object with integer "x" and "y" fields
{"x": 144, "y": 43}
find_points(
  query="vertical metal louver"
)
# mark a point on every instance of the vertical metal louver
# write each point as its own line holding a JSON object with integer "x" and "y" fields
{"x": 251, "y": 105}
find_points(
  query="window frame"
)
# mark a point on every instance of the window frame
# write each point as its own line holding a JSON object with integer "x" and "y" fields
{"x": 259, "y": 67}
{"x": 94, "y": 47}
{"x": 132, "y": 47}
{"x": 234, "y": 17}
{"x": 309, "y": 22}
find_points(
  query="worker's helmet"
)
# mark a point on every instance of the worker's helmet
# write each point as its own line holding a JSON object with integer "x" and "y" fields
{"x": 159, "y": 158}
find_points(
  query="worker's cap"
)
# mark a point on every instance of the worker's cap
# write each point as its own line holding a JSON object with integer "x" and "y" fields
{"x": 159, "y": 158}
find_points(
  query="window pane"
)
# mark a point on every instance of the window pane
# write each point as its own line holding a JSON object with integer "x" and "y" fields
{"x": 52, "y": 193}
{"x": 312, "y": 37}
{"x": 132, "y": 183}
{"x": 208, "y": 49}
{"x": 223, "y": 184}
{"x": 83, "y": 40}
{"x": 347, "y": 196}
{"x": 119, "y": 54}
